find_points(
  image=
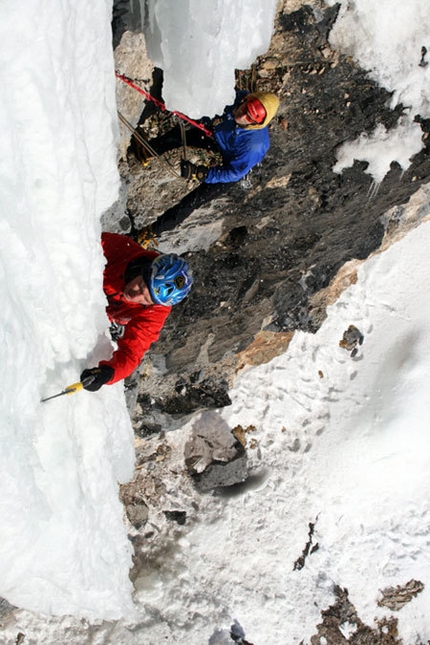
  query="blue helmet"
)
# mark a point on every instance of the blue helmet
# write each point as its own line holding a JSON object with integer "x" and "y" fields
{"x": 171, "y": 279}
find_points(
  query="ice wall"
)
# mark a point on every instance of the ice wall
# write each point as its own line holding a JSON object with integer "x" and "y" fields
{"x": 200, "y": 44}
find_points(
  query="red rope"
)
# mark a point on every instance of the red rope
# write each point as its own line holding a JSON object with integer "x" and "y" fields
{"x": 161, "y": 105}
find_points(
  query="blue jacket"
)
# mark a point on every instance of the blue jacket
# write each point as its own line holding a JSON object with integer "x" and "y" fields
{"x": 241, "y": 149}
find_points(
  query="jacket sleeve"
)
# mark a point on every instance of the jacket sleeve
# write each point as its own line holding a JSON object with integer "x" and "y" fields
{"x": 230, "y": 172}
{"x": 140, "y": 333}
{"x": 244, "y": 154}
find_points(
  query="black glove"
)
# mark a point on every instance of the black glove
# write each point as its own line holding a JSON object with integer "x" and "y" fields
{"x": 92, "y": 379}
{"x": 191, "y": 171}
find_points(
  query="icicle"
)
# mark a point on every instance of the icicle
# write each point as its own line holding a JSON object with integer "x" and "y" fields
{"x": 373, "y": 189}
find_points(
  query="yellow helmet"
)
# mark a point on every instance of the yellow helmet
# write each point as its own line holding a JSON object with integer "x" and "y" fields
{"x": 270, "y": 103}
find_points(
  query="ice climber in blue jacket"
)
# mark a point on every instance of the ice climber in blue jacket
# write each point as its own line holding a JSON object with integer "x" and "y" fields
{"x": 240, "y": 136}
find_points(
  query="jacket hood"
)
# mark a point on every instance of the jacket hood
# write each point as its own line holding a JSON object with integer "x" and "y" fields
{"x": 271, "y": 104}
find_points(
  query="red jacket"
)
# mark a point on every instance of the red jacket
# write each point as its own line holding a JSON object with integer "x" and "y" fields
{"x": 143, "y": 324}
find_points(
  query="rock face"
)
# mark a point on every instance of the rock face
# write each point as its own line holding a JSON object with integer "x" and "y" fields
{"x": 265, "y": 257}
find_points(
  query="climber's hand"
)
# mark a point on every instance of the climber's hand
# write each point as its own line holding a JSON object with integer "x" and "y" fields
{"x": 101, "y": 374}
{"x": 191, "y": 171}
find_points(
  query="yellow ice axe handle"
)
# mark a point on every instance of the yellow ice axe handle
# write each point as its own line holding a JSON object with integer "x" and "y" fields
{"x": 75, "y": 387}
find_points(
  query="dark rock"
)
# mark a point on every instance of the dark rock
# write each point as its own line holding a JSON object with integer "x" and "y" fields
{"x": 395, "y": 598}
{"x": 5, "y": 609}
{"x": 384, "y": 632}
{"x": 137, "y": 513}
{"x": 176, "y": 516}
{"x": 223, "y": 473}
{"x": 214, "y": 456}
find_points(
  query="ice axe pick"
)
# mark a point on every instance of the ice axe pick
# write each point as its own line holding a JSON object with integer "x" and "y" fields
{"x": 71, "y": 389}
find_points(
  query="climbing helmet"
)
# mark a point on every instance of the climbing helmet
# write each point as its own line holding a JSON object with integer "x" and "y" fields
{"x": 171, "y": 279}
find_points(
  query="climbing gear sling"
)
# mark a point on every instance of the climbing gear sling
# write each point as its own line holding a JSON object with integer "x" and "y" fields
{"x": 146, "y": 145}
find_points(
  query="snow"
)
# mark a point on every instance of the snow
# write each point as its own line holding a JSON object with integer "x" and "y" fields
{"x": 381, "y": 148}
{"x": 342, "y": 440}
{"x": 63, "y": 547}
{"x": 387, "y": 40}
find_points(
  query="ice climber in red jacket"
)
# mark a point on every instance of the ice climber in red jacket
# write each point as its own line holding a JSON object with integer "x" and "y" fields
{"x": 141, "y": 286}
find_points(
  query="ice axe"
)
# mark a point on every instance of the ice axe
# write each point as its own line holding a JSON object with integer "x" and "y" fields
{"x": 71, "y": 389}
